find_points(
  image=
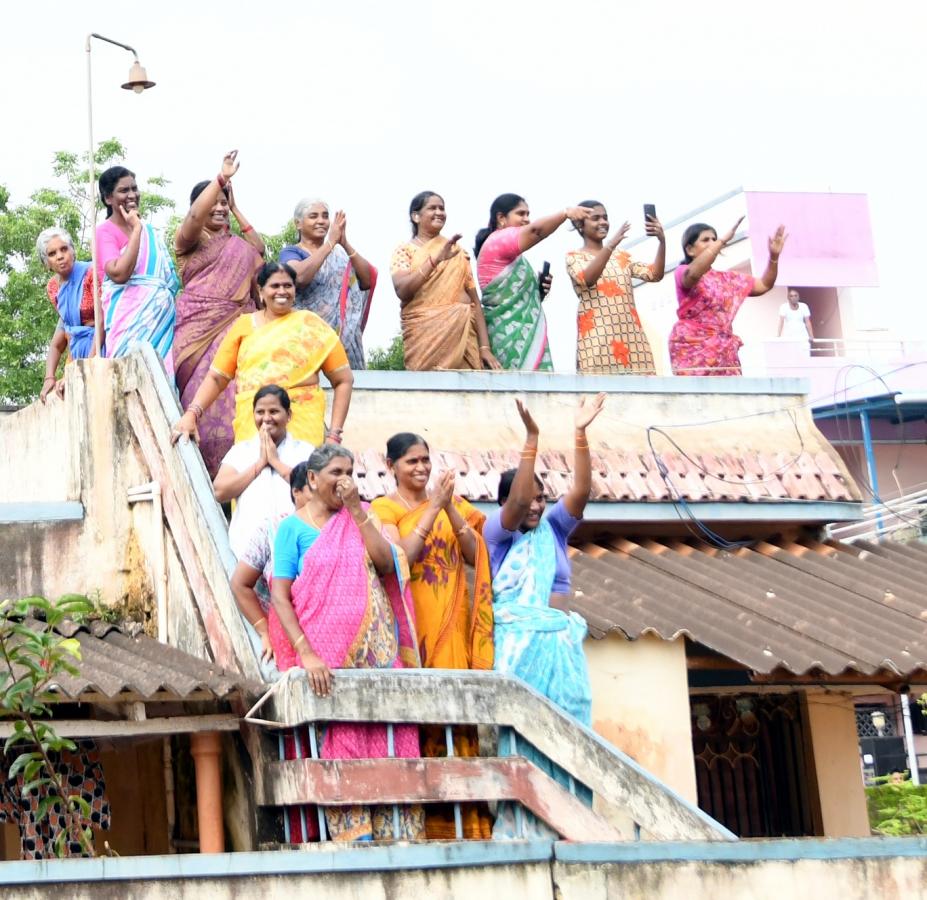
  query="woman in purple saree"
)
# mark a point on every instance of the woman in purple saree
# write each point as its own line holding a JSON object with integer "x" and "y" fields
{"x": 217, "y": 269}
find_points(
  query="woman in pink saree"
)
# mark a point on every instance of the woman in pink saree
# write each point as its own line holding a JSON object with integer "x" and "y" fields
{"x": 340, "y": 600}
{"x": 217, "y": 269}
{"x": 702, "y": 341}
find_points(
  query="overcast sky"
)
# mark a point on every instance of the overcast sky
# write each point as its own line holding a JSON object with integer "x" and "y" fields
{"x": 366, "y": 103}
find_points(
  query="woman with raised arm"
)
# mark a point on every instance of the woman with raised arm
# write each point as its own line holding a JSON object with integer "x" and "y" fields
{"x": 537, "y": 636}
{"x": 610, "y": 339}
{"x": 340, "y": 600}
{"x": 439, "y": 534}
{"x": 702, "y": 341}
{"x": 333, "y": 280}
{"x": 277, "y": 345}
{"x": 136, "y": 271}
{"x": 217, "y": 270}
{"x": 512, "y": 294}
{"x": 70, "y": 291}
{"x": 442, "y": 320}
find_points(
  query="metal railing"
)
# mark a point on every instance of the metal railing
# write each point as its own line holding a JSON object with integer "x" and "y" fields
{"x": 885, "y": 519}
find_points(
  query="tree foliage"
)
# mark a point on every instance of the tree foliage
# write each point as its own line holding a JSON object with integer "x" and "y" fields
{"x": 31, "y": 660}
{"x": 897, "y": 809}
{"x": 27, "y": 319}
{"x": 391, "y": 358}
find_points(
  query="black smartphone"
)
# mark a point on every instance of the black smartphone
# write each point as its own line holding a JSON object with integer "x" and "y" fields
{"x": 545, "y": 271}
{"x": 650, "y": 212}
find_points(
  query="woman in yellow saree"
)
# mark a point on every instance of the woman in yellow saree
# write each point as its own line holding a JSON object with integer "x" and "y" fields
{"x": 439, "y": 534}
{"x": 442, "y": 319}
{"x": 277, "y": 345}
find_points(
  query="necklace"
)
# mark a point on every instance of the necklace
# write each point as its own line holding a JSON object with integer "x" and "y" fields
{"x": 306, "y": 516}
{"x": 406, "y": 502}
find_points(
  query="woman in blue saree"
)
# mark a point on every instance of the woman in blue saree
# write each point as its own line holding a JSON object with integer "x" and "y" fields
{"x": 537, "y": 637}
{"x": 70, "y": 291}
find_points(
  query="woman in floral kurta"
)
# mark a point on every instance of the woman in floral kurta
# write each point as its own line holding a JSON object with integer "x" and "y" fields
{"x": 702, "y": 341}
{"x": 610, "y": 339}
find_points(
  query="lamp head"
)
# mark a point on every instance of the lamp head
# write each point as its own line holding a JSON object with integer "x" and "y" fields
{"x": 138, "y": 79}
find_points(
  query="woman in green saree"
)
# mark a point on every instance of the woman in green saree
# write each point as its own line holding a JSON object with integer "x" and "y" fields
{"x": 512, "y": 294}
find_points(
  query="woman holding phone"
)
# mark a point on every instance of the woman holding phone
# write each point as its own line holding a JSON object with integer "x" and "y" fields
{"x": 610, "y": 339}
{"x": 512, "y": 294}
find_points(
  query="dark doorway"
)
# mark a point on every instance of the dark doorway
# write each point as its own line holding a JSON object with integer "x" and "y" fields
{"x": 750, "y": 763}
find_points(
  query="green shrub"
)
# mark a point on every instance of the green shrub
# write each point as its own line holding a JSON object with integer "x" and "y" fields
{"x": 897, "y": 809}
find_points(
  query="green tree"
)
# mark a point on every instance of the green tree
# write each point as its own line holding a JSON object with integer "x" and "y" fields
{"x": 391, "y": 358}
{"x": 27, "y": 319}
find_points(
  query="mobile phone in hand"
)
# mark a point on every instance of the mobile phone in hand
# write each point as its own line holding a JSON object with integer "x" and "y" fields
{"x": 650, "y": 212}
{"x": 545, "y": 272}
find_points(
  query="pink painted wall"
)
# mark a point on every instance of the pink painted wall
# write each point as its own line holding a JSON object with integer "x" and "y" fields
{"x": 830, "y": 237}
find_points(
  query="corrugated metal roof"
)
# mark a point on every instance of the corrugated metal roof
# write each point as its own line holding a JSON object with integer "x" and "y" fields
{"x": 628, "y": 476}
{"x": 803, "y": 607}
{"x": 114, "y": 664}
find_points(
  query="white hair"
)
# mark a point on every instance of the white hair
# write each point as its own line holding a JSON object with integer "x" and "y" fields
{"x": 303, "y": 207}
{"x": 45, "y": 238}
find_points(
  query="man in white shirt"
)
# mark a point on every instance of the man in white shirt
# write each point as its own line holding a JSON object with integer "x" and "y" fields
{"x": 256, "y": 473}
{"x": 795, "y": 319}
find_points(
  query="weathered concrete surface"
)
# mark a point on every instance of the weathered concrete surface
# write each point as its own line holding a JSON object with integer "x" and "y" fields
{"x": 486, "y": 698}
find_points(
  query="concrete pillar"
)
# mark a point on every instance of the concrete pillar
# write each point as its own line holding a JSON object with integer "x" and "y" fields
{"x": 831, "y": 719}
{"x": 206, "y": 747}
{"x": 640, "y": 702}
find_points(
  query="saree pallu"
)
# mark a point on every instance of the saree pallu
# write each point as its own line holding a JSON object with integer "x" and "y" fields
{"x": 70, "y": 294}
{"x": 454, "y": 632}
{"x": 354, "y": 618}
{"x": 216, "y": 290}
{"x": 438, "y": 329}
{"x": 141, "y": 311}
{"x": 702, "y": 341}
{"x": 286, "y": 351}
{"x": 515, "y": 320}
{"x": 543, "y": 647}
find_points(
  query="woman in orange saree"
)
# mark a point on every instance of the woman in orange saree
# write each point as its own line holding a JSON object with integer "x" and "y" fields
{"x": 277, "y": 345}
{"x": 442, "y": 319}
{"x": 439, "y": 534}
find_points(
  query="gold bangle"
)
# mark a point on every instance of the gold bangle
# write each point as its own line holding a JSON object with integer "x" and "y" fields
{"x": 352, "y": 255}
{"x": 582, "y": 446}
{"x": 368, "y": 519}
{"x": 420, "y": 532}
{"x": 485, "y": 347}
{"x": 463, "y": 528}
{"x": 524, "y": 455}
{"x": 301, "y": 639}
{"x": 258, "y": 621}
{"x": 330, "y": 245}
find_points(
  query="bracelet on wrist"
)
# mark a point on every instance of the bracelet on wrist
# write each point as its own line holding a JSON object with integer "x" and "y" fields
{"x": 223, "y": 181}
{"x": 196, "y": 409}
{"x": 247, "y": 228}
{"x": 49, "y": 378}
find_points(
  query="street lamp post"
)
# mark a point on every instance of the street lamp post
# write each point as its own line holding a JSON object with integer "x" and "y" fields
{"x": 138, "y": 82}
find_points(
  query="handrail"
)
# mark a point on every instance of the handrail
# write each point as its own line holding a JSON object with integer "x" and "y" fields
{"x": 490, "y": 698}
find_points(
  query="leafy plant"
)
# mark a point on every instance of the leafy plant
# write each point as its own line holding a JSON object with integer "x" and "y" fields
{"x": 390, "y": 358}
{"x": 897, "y": 809}
{"x": 31, "y": 659}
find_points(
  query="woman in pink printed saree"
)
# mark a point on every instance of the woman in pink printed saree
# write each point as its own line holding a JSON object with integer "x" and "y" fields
{"x": 217, "y": 270}
{"x": 702, "y": 341}
{"x": 340, "y": 600}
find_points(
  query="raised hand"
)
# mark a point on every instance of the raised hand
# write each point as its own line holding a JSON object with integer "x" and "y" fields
{"x": 654, "y": 229}
{"x": 449, "y": 250}
{"x": 531, "y": 426}
{"x": 346, "y": 489}
{"x": 777, "y": 242}
{"x": 587, "y": 409}
{"x": 578, "y": 213}
{"x": 336, "y": 231}
{"x": 229, "y": 164}
{"x": 132, "y": 218}
{"x": 619, "y": 236}
{"x": 443, "y": 494}
{"x": 728, "y": 236}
